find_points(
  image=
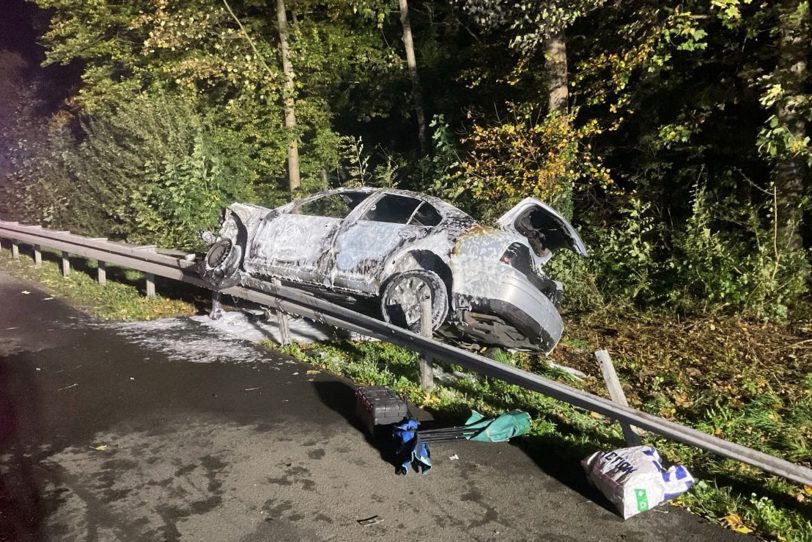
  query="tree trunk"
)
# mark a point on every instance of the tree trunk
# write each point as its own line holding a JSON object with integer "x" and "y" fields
{"x": 555, "y": 54}
{"x": 290, "y": 111}
{"x": 411, "y": 62}
{"x": 790, "y": 172}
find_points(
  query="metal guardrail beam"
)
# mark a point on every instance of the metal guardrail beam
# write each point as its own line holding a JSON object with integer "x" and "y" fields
{"x": 303, "y": 304}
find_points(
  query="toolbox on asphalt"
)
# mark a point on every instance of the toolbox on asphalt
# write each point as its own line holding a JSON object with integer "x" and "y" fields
{"x": 378, "y": 405}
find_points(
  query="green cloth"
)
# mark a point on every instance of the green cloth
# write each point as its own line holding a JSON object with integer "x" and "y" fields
{"x": 500, "y": 429}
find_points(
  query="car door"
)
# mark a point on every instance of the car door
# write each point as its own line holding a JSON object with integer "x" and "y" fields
{"x": 294, "y": 245}
{"x": 362, "y": 247}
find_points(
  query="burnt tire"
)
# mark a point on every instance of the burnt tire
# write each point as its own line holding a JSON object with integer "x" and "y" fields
{"x": 218, "y": 253}
{"x": 401, "y": 296}
{"x": 221, "y": 266}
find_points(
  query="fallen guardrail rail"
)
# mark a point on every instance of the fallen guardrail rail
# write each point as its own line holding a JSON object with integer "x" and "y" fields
{"x": 297, "y": 302}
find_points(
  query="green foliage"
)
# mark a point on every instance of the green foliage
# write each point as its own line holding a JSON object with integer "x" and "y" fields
{"x": 730, "y": 256}
{"x": 626, "y": 255}
{"x": 155, "y": 173}
{"x": 525, "y": 155}
{"x": 584, "y": 285}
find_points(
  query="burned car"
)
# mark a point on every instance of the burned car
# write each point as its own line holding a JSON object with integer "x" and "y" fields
{"x": 392, "y": 247}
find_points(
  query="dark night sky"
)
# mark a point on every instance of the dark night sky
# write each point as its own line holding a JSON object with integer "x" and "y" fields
{"x": 21, "y": 24}
{"x": 17, "y": 29}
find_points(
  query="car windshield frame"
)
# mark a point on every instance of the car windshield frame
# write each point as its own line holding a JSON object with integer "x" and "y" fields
{"x": 350, "y": 199}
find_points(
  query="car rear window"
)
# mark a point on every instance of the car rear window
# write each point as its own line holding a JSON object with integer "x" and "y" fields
{"x": 393, "y": 208}
{"x": 332, "y": 205}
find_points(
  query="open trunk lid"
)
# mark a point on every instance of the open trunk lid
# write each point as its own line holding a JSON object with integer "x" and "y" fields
{"x": 545, "y": 229}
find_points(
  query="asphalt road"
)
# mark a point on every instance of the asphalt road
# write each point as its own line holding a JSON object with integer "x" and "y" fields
{"x": 166, "y": 431}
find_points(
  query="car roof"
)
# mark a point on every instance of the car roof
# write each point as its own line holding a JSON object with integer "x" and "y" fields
{"x": 444, "y": 208}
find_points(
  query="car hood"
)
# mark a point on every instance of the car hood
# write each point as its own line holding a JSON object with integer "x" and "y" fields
{"x": 545, "y": 229}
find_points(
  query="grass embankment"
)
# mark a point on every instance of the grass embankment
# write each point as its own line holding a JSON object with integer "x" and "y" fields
{"x": 122, "y": 298}
{"x": 748, "y": 382}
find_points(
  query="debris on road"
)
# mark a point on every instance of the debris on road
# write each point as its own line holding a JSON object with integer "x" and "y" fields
{"x": 253, "y": 389}
{"x": 68, "y": 387}
{"x": 100, "y": 448}
{"x": 634, "y": 478}
{"x": 453, "y": 457}
{"x": 373, "y": 520}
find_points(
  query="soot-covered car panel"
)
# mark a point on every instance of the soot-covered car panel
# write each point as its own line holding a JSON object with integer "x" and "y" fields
{"x": 395, "y": 247}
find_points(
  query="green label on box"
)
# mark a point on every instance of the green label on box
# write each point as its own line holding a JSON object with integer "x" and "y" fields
{"x": 642, "y": 500}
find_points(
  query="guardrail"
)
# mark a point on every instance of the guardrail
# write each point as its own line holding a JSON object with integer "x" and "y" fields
{"x": 293, "y": 301}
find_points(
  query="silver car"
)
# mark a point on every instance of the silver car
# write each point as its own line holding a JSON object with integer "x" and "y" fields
{"x": 391, "y": 248}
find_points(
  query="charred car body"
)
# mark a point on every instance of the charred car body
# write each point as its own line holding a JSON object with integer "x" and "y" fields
{"x": 392, "y": 247}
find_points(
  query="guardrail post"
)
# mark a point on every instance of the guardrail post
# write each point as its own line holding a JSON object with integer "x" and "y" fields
{"x": 426, "y": 373}
{"x": 65, "y": 265}
{"x": 15, "y": 250}
{"x": 37, "y": 256}
{"x": 630, "y": 433}
{"x": 101, "y": 273}
{"x": 282, "y": 319}
{"x": 150, "y": 278}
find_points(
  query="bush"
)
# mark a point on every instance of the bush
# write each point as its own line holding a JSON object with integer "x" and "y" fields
{"x": 730, "y": 256}
{"x": 152, "y": 171}
{"x": 626, "y": 256}
{"x": 156, "y": 175}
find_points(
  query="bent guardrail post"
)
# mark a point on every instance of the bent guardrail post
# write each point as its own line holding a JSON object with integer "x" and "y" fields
{"x": 426, "y": 373}
{"x": 630, "y": 434}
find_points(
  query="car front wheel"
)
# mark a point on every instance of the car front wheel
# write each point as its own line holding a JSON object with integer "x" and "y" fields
{"x": 402, "y": 294}
{"x": 221, "y": 265}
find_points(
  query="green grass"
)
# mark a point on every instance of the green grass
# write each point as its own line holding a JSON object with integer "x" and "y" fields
{"x": 749, "y": 382}
{"x": 121, "y": 298}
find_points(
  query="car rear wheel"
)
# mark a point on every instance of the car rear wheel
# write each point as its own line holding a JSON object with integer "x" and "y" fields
{"x": 400, "y": 300}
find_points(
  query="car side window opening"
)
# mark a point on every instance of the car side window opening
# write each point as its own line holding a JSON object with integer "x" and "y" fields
{"x": 393, "y": 209}
{"x": 331, "y": 205}
{"x": 425, "y": 215}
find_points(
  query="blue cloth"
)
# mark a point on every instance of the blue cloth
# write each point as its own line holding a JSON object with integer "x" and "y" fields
{"x": 410, "y": 451}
